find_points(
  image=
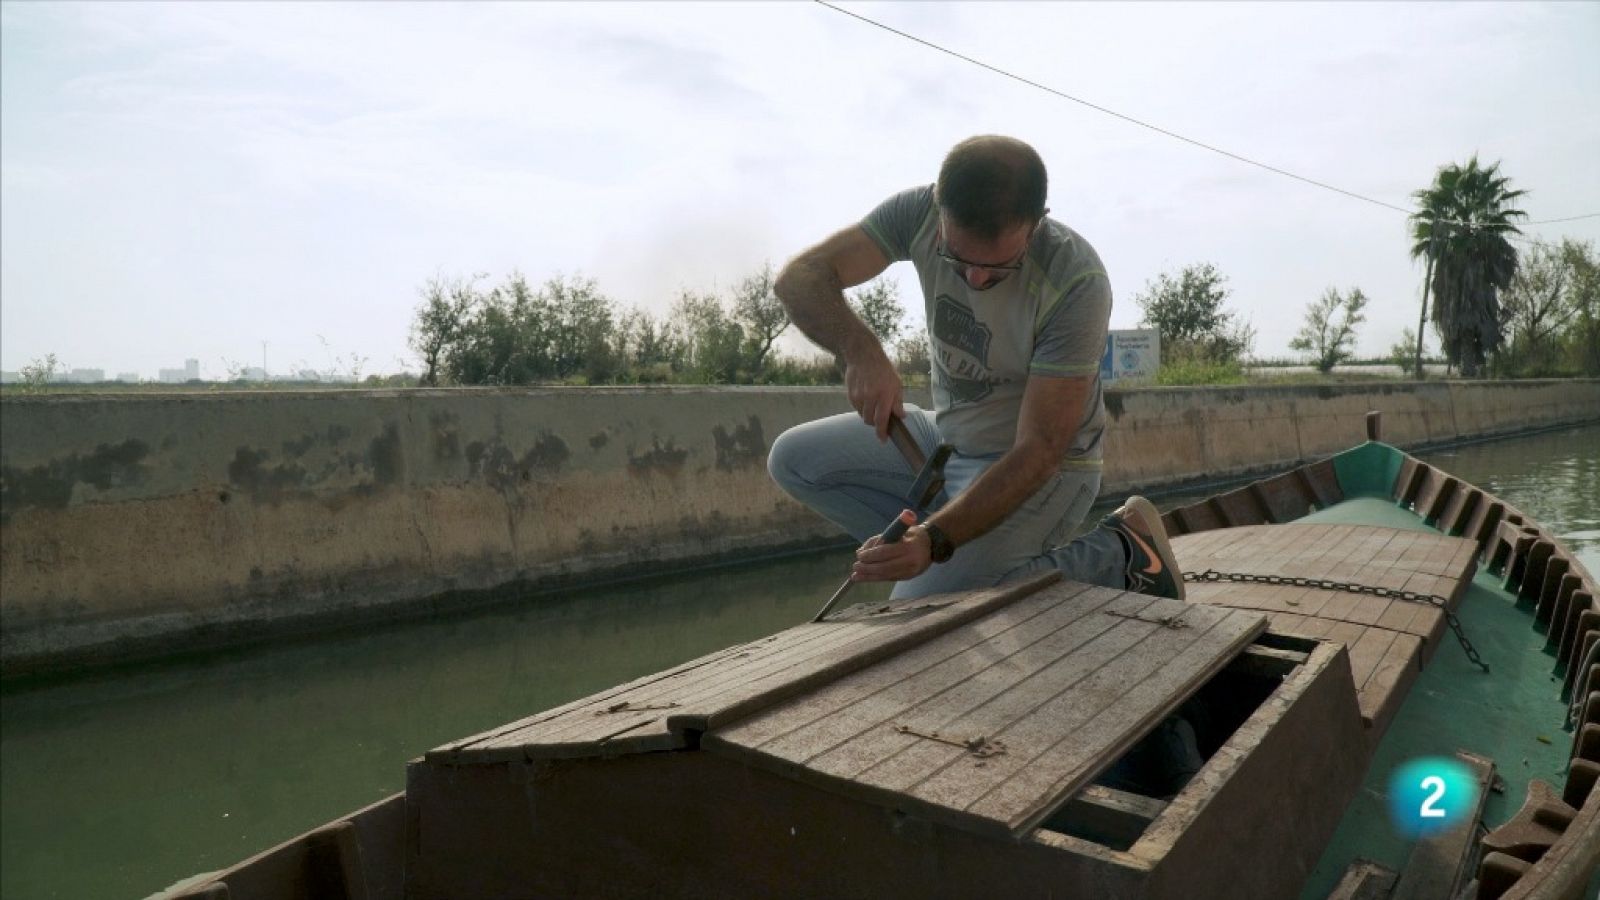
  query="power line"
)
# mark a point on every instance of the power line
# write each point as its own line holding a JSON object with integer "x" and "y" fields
{"x": 1158, "y": 129}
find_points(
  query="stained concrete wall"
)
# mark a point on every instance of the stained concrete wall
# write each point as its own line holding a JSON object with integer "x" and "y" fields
{"x": 138, "y": 524}
{"x": 1167, "y": 435}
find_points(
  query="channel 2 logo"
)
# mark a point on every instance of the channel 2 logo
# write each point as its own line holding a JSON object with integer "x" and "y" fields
{"x": 1430, "y": 795}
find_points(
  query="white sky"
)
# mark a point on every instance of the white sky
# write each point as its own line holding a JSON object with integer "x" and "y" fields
{"x": 191, "y": 179}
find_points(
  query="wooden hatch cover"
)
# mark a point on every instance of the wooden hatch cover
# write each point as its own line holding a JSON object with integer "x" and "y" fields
{"x": 993, "y": 725}
{"x": 1389, "y": 639}
{"x": 664, "y": 711}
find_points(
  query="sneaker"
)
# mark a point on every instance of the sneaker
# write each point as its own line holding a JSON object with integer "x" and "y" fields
{"x": 1151, "y": 567}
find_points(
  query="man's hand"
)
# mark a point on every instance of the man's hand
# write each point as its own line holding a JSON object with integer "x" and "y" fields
{"x": 900, "y": 561}
{"x": 811, "y": 287}
{"x": 873, "y": 386}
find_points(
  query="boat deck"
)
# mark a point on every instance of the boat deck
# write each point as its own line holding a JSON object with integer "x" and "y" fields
{"x": 1389, "y": 639}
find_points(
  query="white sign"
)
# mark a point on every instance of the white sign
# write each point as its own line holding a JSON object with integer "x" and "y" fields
{"x": 1130, "y": 354}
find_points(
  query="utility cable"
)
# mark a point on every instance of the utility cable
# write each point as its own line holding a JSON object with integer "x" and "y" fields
{"x": 1159, "y": 130}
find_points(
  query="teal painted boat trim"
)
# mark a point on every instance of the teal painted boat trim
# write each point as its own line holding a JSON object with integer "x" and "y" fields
{"x": 1368, "y": 470}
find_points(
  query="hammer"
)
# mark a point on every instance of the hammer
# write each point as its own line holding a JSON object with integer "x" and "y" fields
{"x": 930, "y": 481}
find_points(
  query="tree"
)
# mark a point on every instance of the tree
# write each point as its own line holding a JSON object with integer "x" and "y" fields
{"x": 39, "y": 373}
{"x": 713, "y": 342}
{"x": 762, "y": 315}
{"x": 1328, "y": 341}
{"x": 878, "y": 304}
{"x": 1535, "y": 308}
{"x": 1188, "y": 311}
{"x": 581, "y": 321}
{"x": 446, "y": 305}
{"x": 1402, "y": 353}
{"x": 647, "y": 347}
{"x": 1462, "y": 228}
{"x": 1582, "y": 337}
{"x": 912, "y": 361}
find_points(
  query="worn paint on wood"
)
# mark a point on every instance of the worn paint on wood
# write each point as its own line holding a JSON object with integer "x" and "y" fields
{"x": 1389, "y": 639}
{"x": 657, "y": 712}
{"x": 993, "y": 735}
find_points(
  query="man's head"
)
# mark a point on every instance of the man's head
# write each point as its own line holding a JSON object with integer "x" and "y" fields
{"x": 991, "y": 194}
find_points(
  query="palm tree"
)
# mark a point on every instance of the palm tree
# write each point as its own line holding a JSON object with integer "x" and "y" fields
{"x": 1462, "y": 227}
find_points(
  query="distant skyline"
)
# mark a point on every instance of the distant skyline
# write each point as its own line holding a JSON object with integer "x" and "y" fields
{"x": 192, "y": 180}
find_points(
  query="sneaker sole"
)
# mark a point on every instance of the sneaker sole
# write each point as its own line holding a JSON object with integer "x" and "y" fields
{"x": 1157, "y": 539}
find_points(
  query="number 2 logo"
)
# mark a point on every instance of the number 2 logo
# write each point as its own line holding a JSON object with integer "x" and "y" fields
{"x": 1429, "y": 811}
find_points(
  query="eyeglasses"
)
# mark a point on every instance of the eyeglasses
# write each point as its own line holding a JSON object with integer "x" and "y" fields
{"x": 999, "y": 272}
{"x": 962, "y": 266}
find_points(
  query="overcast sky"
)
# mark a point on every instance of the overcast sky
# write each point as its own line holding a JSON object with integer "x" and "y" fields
{"x": 192, "y": 179}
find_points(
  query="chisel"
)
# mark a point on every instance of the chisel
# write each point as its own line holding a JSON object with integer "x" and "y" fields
{"x": 891, "y": 535}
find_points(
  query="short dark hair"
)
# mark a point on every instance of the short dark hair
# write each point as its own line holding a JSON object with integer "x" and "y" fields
{"x": 990, "y": 183}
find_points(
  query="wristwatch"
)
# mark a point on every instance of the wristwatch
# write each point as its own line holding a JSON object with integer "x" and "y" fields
{"x": 942, "y": 549}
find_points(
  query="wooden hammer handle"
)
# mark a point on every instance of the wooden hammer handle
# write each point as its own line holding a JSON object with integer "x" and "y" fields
{"x": 901, "y": 435}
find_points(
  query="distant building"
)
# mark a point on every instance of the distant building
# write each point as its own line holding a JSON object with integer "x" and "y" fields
{"x": 189, "y": 372}
{"x": 10, "y": 377}
{"x": 128, "y": 377}
{"x": 254, "y": 373}
{"x": 85, "y": 376}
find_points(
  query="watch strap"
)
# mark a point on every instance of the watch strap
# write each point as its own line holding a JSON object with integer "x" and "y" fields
{"x": 940, "y": 548}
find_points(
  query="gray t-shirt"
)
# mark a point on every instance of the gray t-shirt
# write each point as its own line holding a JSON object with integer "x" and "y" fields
{"x": 1048, "y": 319}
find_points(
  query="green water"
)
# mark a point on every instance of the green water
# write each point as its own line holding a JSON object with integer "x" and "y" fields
{"x": 119, "y": 784}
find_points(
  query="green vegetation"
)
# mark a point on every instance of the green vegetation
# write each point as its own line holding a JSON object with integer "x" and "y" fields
{"x": 1189, "y": 365}
{"x": 1201, "y": 342}
{"x": 568, "y": 331}
{"x": 1404, "y": 354}
{"x": 1550, "y": 313}
{"x": 1462, "y": 228}
{"x": 1330, "y": 330}
{"x": 37, "y": 374}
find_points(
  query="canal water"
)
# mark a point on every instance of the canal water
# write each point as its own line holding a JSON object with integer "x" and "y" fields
{"x": 118, "y": 784}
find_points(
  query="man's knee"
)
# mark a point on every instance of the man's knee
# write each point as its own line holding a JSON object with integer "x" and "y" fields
{"x": 783, "y": 457}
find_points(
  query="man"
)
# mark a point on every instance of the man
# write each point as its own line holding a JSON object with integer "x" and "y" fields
{"x": 1017, "y": 305}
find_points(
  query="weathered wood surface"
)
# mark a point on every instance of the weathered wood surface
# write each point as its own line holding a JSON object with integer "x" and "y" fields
{"x": 1258, "y": 816}
{"x": 1364, "y": 880}
{"x": 657, "y": 712}
{"x": 1389, "y": 639}
{"x": 994, "y": 725}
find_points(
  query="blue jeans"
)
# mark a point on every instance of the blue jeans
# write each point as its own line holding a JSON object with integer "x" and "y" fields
{"x": 837, "y": 467}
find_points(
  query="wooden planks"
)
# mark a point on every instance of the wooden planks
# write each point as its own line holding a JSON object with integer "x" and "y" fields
{"x": 1389, "y": 639}
{"x": 1364, "y": 880}
{"x": 994, "y": 725}
{"x": 659, "y": 711}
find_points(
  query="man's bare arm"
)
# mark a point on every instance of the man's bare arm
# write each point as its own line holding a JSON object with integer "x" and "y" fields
{"x": 1052, "y": 410}
{"x": 811, "y": 287}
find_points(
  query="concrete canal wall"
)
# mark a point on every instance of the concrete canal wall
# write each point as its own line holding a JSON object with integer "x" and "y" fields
{"x": 133, "y": 525}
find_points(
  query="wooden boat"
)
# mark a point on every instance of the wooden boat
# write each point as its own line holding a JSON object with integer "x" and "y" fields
{"x": 960, "y": 745}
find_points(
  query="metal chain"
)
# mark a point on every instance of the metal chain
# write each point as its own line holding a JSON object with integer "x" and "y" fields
{"x": 1325, "y": 584}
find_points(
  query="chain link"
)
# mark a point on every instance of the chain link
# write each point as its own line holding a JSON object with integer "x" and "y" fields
{"x": 1325, "y": 584}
